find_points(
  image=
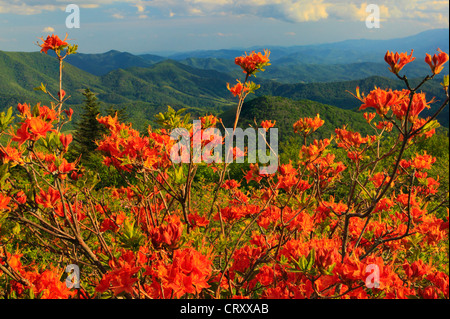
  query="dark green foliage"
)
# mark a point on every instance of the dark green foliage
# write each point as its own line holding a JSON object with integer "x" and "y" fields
{"x": 147, "y": 91}
{"x": 88, "y": 129}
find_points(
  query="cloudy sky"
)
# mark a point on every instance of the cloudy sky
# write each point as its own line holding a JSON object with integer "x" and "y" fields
{"x": 139, "y": 26}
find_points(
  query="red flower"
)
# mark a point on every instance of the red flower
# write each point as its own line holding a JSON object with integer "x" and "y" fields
{"x": 167, "y": 234}
{"x": 38, "y": 127}
{"x": 69, "y": 113}
{"x": 53, "y": 43}
{"x": 198, "y": 221}
{"x": 61, "y": 94}
{"x": 308, "y": 125}
{"x": 4, "y": 201}
{"x": 22, "y": 134}
{"x": 24, "y": 109}
{"x": 437, "y": 62}
{"x": 238, "y": 89}
{"x": 417, "y": 269}
{"x": 48, "y": 199}
{"x": 423, "y": 161}
{"x": 381, "y": 100}
{"x": 10, "y": 154}
{"x": 398, "y": 61}
{"x": 417, "y": 105}
{"x": 254, "y": 62}
{"x": 267, "y": 124}
{"x": 65, "y": 140}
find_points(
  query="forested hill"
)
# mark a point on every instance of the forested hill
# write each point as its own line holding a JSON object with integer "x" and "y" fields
{"x": 145, "y": 91}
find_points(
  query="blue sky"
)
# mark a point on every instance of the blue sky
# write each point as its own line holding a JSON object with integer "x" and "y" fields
{"x": 139, "y": 26}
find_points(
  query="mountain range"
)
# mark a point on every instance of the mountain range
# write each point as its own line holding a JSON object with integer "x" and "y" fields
{"x": 146, "y": 83}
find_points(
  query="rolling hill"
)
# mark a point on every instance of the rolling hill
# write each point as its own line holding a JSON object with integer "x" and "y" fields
{"x": 328, "y": 62}
{"x": 146, "y": 84}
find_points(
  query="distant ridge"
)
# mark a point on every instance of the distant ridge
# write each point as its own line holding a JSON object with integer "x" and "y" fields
{"x": 146, "y": 84}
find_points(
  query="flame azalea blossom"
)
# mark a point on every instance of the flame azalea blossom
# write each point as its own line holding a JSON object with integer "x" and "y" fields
{"x": 308, "y": 125}
{"x": 10, "y": 154}
{"x": 254, "y": 62}
{"x": 167, "y": 234}
{"x": 417, "y": 105}
{"x": 313, "y": 229}
{"x": 267, "y": 124}
{"x": 381, "y": 100}
{"x": 65, "y": 140}
{"x": 4, "y": 201}
{"x": 54, "y": 43}
{"x": 398, "y": 61}
{"x": 238, "y": 90}
{"x": 437, "y": 62}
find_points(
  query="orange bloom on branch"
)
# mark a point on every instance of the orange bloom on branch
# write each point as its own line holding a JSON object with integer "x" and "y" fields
{"x": 267, "y": 124}
{"x": 54, "y": 43}
{"x": 381, "y": 100}
{"x": 308, "y": 125}
{"x": 437, "y": 62}
{"x": 66, "y": 140}
{"x": 238, "y": 89}
{"x": 398, "y": 61}
{"x": 254, "y": 62}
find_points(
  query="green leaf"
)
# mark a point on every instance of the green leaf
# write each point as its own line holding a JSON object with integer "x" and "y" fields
{"x": 6, "y": 119}
{"x": 41, "y": 88}
{"x": 445, "y": 82}
{"x": 303, "y": 263}
{"x": 311, "y": 259}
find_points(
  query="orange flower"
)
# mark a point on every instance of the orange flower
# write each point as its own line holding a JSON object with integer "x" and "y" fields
{"x": 38, "y": 127}
{"x": 197, "y": 221}
{"x": 48, "y": 199}
{"x": 436, "y": 62}
{"x": 308, "y": 125}
{"x": 53, "y": 43}
{"x": 369, "y": 117}
{"x": 398, "y": 61}
{"x": 4, "y": 201}
{"x": 65, "y": 140}
{"x": 238, "y": 89}
{"x": 381, "y": 100}
{"x": 167, "y": 234}
{"x": 10, "y": 154}
{"x": 22, "y": 134}
{"x": 423, "y": 161}
{"x": 24, "y": 109}
{"x": 61, "y": 94}
{"x": 418, "y": 104}
{"x": 208, "y": 121}
{"x": 254, "y": 62}
{"x": 267, "y": 124}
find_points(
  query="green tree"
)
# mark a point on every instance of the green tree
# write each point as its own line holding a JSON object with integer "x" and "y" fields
{"x": 88, "y": 129}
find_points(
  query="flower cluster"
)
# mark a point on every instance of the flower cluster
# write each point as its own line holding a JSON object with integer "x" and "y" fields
{"x": 349, "y": 216}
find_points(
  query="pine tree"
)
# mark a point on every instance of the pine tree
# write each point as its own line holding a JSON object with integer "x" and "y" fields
{"x": 88, "y": 129}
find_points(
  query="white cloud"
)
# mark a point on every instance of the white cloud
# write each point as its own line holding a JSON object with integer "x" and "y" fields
{"x": 424, "y": 11}
{"x": 118, "y": 16}
{"x": 48, "y": 30}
